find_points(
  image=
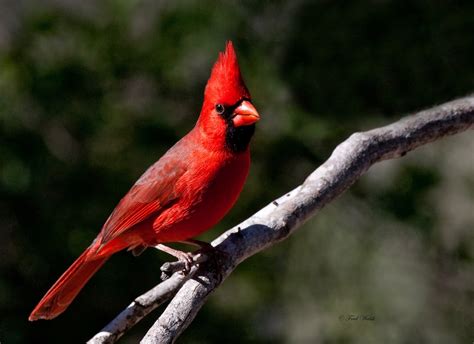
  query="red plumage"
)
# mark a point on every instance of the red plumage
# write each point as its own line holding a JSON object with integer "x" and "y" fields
{"x": 184, "y": 193}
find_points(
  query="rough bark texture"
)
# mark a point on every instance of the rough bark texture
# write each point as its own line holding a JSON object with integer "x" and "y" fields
{"x": 147, "y": 302}
{"x": 280, "y": 218}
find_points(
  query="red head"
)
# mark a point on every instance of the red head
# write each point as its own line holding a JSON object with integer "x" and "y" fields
{"x": 227, "y": 105}
{"x": 226, "y": 83}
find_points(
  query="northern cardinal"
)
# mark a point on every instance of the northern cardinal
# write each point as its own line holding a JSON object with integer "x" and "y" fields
{"x": 181, "y": 195}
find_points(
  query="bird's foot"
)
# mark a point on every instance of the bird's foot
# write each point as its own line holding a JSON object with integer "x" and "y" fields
{"x": 169, "y": 268}
{"x": 185, "y": 258}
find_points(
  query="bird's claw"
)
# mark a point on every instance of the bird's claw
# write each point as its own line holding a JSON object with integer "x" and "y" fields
{"x": 187, "y": 258}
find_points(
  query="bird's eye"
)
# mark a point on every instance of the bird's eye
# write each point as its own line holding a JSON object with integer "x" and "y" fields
{"x": 220, "y": 109}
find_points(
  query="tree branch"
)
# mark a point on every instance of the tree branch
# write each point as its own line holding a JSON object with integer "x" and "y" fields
{"x": 282, "y": 217}
{"x": 147, "y": 302}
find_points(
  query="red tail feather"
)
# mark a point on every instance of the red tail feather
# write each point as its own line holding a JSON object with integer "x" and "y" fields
{"x": 66, "y": 288}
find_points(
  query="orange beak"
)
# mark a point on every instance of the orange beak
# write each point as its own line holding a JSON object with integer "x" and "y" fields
{"x": 245, "y": 114}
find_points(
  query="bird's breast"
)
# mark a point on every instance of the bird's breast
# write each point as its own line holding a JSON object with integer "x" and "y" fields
{"x": 208, "y": 190}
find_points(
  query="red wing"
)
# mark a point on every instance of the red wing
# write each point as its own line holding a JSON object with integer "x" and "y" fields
{"x": 151, "y": 194}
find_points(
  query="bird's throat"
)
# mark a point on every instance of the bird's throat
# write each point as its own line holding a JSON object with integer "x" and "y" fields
{"x": 237, "y": 139}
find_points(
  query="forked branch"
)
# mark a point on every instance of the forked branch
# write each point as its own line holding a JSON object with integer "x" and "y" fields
{"x": 282, "y": 217}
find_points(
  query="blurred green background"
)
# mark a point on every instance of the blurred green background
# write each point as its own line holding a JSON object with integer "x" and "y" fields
{"x": 93, "y": 92}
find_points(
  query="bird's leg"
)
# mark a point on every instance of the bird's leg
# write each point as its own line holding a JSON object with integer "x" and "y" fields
{"x": 204, "y": 246}
{"x": 185, "y": 257}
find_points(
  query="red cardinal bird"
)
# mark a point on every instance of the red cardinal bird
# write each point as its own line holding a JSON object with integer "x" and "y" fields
{"x": 181, "y": 195}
